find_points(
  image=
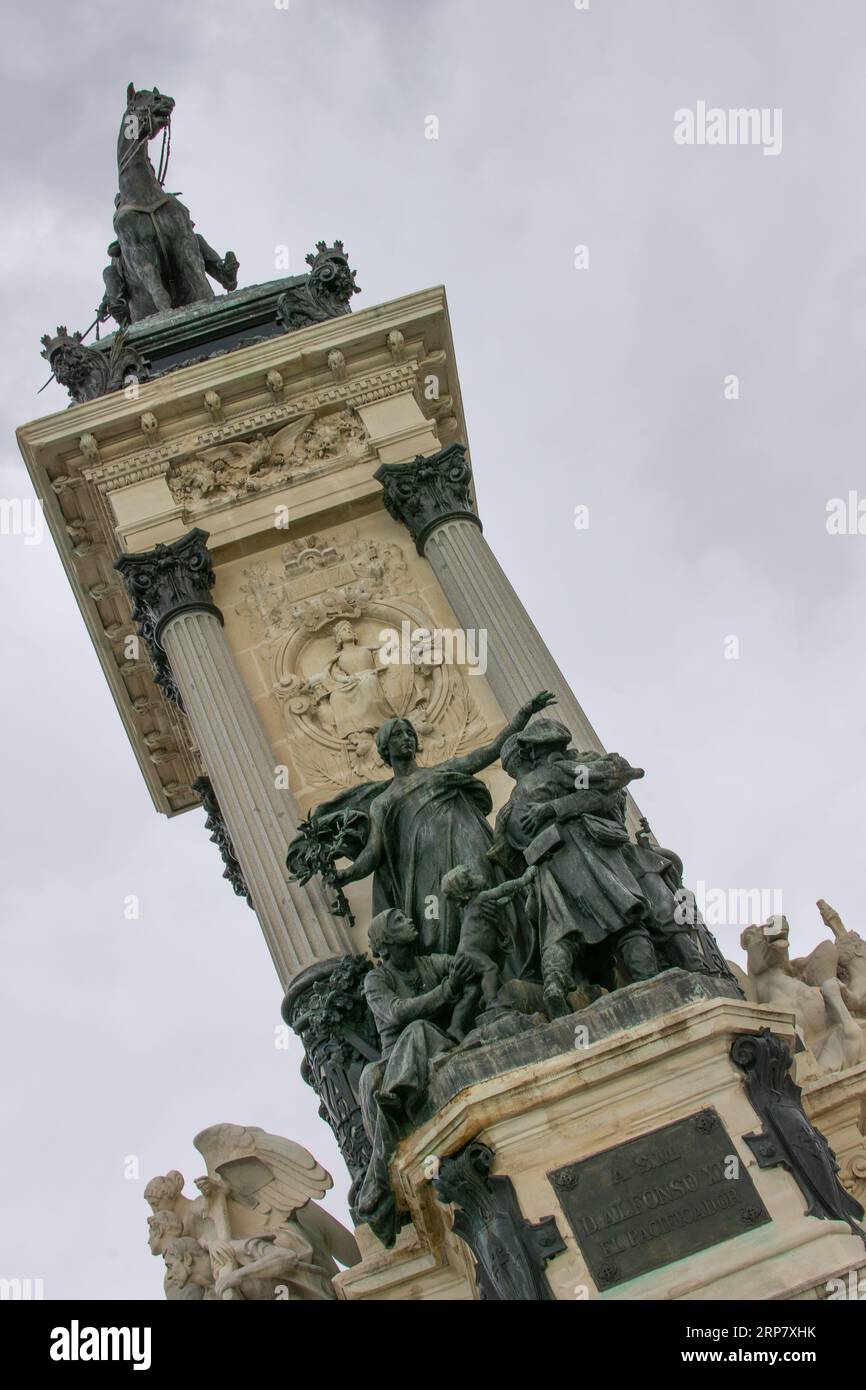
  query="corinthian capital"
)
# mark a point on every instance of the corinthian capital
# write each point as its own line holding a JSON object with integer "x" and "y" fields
{"x": 168, "y": 580}
{"x": 429, "y": 490}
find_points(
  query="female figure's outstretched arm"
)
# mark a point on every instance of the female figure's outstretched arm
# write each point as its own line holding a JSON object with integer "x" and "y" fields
{"x": 488, "y": 753}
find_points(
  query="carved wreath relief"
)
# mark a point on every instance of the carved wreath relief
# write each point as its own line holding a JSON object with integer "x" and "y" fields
{"x": 321, "y": 614}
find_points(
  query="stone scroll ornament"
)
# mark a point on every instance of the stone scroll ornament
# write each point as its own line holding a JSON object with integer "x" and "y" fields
{"x": 510, "y": 1252}
{"x": 162, "y": 583}
{"x": 788, "y": 1139}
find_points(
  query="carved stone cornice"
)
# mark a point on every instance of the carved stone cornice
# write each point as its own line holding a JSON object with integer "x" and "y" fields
{"x": 111, "y": 477}
{"x": 251, "y": 422}
{"x": 155, "y": 461}
{"x": 372, "y": 386}
{"x": 167, "y": 581}
{"x": 430, "y": 490}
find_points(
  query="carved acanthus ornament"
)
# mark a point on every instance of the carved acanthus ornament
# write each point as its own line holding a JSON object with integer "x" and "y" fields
{"x": 327, "y": 1008}
{"x": 162, "y": 583}
{"x": 428, "y": 491}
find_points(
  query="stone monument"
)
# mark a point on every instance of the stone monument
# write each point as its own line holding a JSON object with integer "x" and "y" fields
{"x": 543, "y": 1077}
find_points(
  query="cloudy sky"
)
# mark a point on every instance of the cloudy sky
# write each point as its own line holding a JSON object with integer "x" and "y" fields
{"x": 602, "y": 387}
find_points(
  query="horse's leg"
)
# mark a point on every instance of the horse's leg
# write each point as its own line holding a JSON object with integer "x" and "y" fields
{"x": 187, "y": 263}
{"x": 140, "y": 252}
{"x": 146, "y": 292}
{"x": 141, "y": 306}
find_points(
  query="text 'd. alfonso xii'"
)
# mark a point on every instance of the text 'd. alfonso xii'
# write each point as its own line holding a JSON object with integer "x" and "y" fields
{"x": 658, "y": 1198}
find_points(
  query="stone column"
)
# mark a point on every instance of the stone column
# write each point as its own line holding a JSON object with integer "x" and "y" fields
{"x": 431, "y": 497}
{"x": 170, "y": 590}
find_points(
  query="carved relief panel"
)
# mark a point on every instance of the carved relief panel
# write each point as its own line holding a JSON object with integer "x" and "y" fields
{"x": 324, "y": 626}
{"x": 235, "y": 469}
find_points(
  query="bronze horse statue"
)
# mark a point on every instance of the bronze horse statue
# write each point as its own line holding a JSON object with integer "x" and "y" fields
{"x": 158, "y": 261}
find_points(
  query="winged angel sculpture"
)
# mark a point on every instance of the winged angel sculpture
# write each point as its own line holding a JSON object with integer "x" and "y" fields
{"x": 255, "y": 1232}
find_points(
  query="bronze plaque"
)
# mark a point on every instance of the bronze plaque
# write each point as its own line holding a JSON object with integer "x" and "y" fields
{"x": 656, "y": 1199}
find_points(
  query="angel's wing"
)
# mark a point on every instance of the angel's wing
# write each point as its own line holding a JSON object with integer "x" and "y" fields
{"x": 234, "y": 453}
{"x": 339, "y": 1243}
{"x": 284, "y": 441}
{"x": 262, "y": 1170}
{"x": 821, "y": 964}
{"x": 746, "y": 983}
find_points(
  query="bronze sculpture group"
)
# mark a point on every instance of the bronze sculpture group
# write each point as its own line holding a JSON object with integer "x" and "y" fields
{"x": 541, "y": 914}
{"x": 158, "y": 261}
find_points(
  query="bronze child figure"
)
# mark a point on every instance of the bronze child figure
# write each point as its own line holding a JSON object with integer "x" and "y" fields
{"x": 484, "y": 935}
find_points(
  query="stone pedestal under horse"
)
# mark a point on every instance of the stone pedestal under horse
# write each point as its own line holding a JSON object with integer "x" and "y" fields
{"x": 158, "y": 261}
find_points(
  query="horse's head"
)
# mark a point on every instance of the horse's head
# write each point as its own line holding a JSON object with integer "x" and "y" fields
{"x": 148, "y": 111}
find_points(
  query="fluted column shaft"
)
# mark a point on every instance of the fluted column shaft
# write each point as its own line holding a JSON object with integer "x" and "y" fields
{"x": 431, "y": 496}
{"x": 170, "y": 588}
{"x": 518, "y": 661}
{"x": 261, "y": 819}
